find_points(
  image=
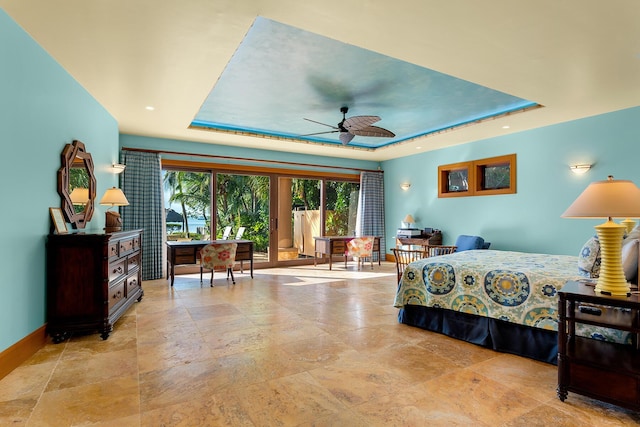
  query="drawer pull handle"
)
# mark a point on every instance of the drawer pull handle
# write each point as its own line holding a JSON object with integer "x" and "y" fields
{"x": 117, "y": 295}
{"x": 594, "y": 311}
{"x": 118, "y": 270}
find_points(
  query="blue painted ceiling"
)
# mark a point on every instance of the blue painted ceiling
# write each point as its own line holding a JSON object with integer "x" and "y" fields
{"x": 280, "y": 75}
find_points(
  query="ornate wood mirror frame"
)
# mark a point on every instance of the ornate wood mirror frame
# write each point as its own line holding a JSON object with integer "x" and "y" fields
{"x": 76, "y": 173}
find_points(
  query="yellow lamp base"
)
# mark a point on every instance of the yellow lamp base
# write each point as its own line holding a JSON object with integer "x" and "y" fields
{"x": 629, "y": 224}
{"x": 611, "y": 280}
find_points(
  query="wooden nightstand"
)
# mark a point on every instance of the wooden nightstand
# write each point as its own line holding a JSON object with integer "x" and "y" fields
{"x": 602, "y": 370}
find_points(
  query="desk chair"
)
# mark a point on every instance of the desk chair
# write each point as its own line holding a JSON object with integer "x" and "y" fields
{"x": 406, "y": 256}
{"x": 218, "y": 256}
{"x": 361, "y": 248}
{"x": 440, "y": 250}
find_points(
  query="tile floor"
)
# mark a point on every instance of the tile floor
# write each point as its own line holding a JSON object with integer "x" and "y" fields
{"x": 302, "y": 346}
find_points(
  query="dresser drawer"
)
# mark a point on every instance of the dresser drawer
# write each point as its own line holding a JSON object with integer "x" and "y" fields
{"x": 132, "y": 284}
{"x": 126, "y": 246}
{"x": 117, "y": 269}
{"x": 116, "y": 295}
{"x": 113, "y": 249}
{"x": 133, "y": 262}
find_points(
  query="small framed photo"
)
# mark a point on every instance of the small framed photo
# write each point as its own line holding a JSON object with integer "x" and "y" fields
{"x": 58, "y": 220}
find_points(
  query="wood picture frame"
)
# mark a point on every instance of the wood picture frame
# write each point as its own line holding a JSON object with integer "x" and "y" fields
{"x": 58, "y": 220}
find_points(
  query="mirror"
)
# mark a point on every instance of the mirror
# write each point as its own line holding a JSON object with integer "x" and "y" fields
{"x": 77, "y": 184}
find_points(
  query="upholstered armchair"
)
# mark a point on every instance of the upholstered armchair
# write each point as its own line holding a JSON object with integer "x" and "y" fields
{"x": 360, "y": 248}
{"x": 220, "y": 257}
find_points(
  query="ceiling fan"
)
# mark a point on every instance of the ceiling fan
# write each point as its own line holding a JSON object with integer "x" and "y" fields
{"x": 356, "y": 125}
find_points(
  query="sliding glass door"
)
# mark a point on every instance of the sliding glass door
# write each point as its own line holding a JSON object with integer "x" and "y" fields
{"x": 280, "y": 213}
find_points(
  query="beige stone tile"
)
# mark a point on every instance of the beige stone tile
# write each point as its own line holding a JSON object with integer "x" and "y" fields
{"x": 535, "y": 379}
{"x": 26, "y": 381}
{"x": 181, "y": 383}
{"x": 220, "y": 409}
{"x": 102, "y": 402}
{"x": 16, "y": 412}
{"x": 357, "y": 380}
{"x": 288, "y": 401}
{"x": 403, "y": 410}
{"x": 168, "y": 353}
{"x": 94, "y": 368}
{"x": 594, "y": 412}
{"x": 475, "y": 396}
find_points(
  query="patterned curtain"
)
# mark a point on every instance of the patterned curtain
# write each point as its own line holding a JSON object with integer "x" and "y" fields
{"x": 370, "y": 216}
{"x": 142, "y": 184}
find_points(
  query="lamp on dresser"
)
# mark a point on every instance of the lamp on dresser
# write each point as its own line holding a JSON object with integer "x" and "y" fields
{"x": 608, "y": 199}
{"x": 113, "y": 197}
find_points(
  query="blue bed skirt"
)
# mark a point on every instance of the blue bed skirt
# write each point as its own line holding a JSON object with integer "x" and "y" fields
{"x": 535, "y": 343}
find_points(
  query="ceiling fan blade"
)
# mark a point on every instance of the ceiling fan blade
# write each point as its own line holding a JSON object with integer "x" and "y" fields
{"x": 320, "y": 133}
{"x": 320, "y": 123}
{"x": 346, "y": 137}
{"x": 373, "y": 131}
{"x": 359, "y": 122}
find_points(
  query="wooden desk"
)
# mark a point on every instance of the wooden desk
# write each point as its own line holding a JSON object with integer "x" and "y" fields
{"x": 424, "y": 240}
{"x": 337, "y": 245}
{"x": 179, "y": 253}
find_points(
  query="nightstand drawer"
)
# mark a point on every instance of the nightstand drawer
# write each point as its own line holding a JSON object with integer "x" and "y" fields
{"x": 613, "y": 316}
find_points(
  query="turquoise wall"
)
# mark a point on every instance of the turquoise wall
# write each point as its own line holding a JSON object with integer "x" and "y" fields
{"x": 529, "y": 220}
{"x": 42, "y": 108}
{"x": 170, "y": 145}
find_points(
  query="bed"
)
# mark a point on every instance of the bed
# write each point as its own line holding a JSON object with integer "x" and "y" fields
{"x": 502, "y": 300}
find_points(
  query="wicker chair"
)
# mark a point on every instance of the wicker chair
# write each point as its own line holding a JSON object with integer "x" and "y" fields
{"x": 406, "y": 256}
{"x": 220, "y": 257}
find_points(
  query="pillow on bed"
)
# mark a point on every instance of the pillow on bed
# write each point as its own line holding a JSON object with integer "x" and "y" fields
{"x": 589, "y": 258}
{"x": 630, "y": 254}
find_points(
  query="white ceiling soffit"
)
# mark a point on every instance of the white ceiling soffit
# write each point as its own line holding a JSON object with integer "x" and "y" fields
{"x": 577, "y": 58}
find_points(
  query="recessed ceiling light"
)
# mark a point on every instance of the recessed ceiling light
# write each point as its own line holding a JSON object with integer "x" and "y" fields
{"x": 418, "y": 148}
{"x": 506, "y": 127}
{"x": 149, "y": 107}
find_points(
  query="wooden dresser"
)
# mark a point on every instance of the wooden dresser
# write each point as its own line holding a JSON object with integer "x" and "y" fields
{"x": 92, "y": 279}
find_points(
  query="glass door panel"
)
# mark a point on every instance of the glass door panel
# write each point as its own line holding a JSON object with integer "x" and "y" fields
{"x": 242, "y": 203}
{"x": 299, "y": 217}
{"x": 341, "y": 206}
{"x": 187, "y": 200}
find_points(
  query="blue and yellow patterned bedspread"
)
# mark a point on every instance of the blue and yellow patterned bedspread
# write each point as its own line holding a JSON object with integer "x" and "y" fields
{"x": 513, "y": 286}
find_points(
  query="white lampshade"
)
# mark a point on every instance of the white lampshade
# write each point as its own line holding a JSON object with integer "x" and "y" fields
{"x": 608, "y": 199}
{"x": 79, "y": 196}
{"x": 114, "y": 197}
{"x": 408, "y": 219}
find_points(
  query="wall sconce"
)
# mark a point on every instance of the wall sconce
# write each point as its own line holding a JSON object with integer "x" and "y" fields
{"x": 113, "y": 197}
{"x": 405, "y": 186}
{"x": 118, "y": 167}
{"x": 579, "y": 169}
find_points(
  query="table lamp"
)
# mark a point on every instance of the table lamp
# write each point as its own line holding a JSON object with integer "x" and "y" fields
{"x": 608, "y": 199}
{"x": 113, "y": 197}
{"x": 408, "y": 220}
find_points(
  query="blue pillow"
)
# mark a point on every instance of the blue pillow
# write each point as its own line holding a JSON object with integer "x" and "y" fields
{"x": 467, "y": 243}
